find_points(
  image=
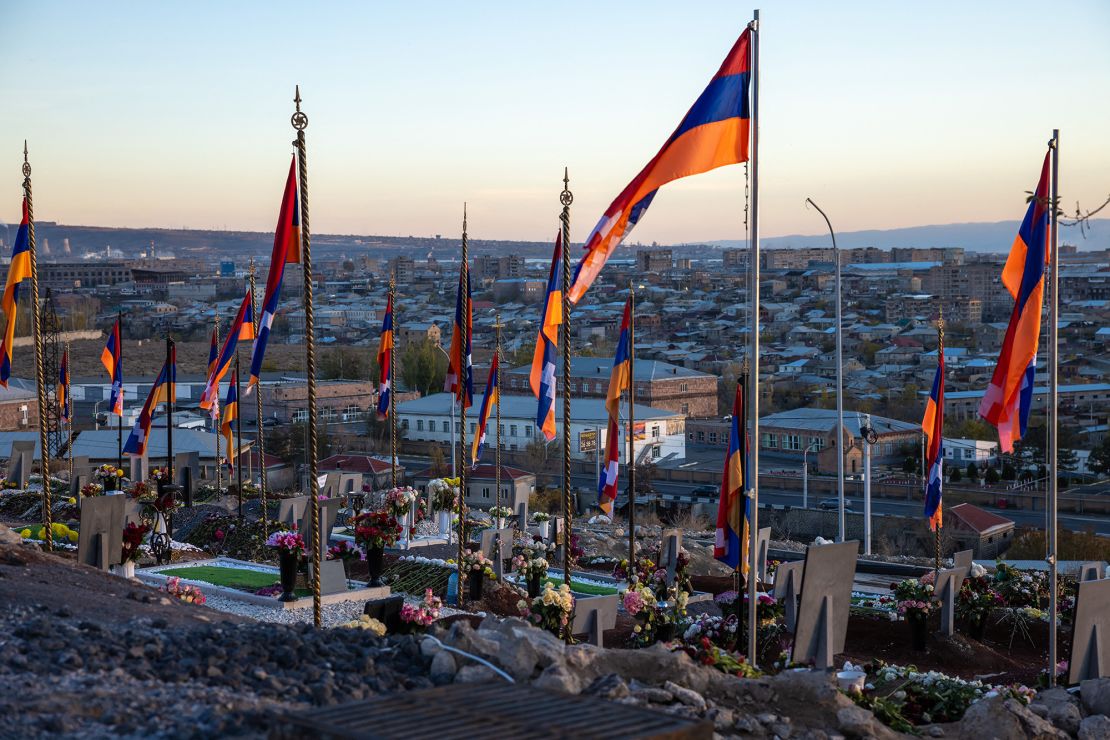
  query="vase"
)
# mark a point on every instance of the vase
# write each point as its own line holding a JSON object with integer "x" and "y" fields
{"x": 445, "y": 523}
{"x": 534, "y": 584}
{"x": 474, "y": 580}
{"x": 975, "y": 627}
{"x": 125, "y": 570}
{"x": 111, "y": 484}
{"x": 288, "y": 562}
{"x": 665, "y": 632}
{"x": 545, "y": 530}
{"x": 919, "y": 630}
{"x": 374, "y": 559}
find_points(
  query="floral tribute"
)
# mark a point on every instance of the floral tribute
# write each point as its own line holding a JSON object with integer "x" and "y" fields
{"x": 108, "y": 473}
{"x": 92, "y": 489}
{"x": 345, "y": 551}
{"x": 398, "y": 501}
{"x": 187, "y": 593}
{"x": 286, "y": 543}
{"x": 529, "y": 565}
{"x": 656, "y": 619}
{"x": 551, "y": 610}
{"x": 476, "y": 563}
{"x": 160, "y": 475}
{"x": 913, "y": 599}
{"x": 648, "y": 571}
{"x": 133, "y": 535}
{"x": 500, "y": 512}
{"x": 376, "y": 529}
{"x": 445, "y": 494}
{"x": 418, "y": 617}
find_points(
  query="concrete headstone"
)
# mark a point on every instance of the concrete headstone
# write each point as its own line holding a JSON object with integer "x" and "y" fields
{"x": 593, "y": 615}
{"x": 826, "y": 597}
{"x": 100, "y": 540}
{"x": 19, "y": 464}
{"x": 1090, "y": 645}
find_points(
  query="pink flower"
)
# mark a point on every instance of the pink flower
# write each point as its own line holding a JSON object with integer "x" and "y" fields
{"x": 633, "y": 602}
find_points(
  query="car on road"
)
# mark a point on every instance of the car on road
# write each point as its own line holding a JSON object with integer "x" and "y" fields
{"x": 832, "y": 504}
{"x": 709, "y": 491}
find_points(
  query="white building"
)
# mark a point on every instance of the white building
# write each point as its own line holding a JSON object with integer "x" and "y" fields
{"x": 963, "y": 451}
{"x": 659, "y": 433}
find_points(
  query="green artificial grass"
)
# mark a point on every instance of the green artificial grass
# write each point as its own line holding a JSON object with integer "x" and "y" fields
{"x": 241, "y": 579}
{"x": 584, "y": 588}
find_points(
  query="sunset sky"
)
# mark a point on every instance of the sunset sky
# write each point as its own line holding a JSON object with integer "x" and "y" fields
{"x": 887, "y": 114}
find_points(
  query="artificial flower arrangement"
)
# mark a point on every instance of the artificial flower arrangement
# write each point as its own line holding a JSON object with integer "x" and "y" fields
{"x": 529, "y": 565}
{"x": 500, "y": 512}
{"x": 476, "y": 563}
{"x": 445, "y": 494}
{"x": 767, "y": 608}
{"x": 133, "y": 535}
{"x": 345, "y": 551}
{"x": 92, "y": 489}
{"x": 10, "y": 485}
{"x": 540, "y": 516}
{"x": 140, "y": 489}
{"x": 108, "y": 473}
{"x": 640, "y": 602}
{"x": 376, "y": 529}
{"x": 398, "y": 501}
{"x": 418, "y": 617}
{"x": 368, "y": 623}
{"x": 286, "y": 543}
{"x": 551, "y": 610}
{"x": 977, "y": 599}
{"x": 913, "y": 599}
{"x": 187, "y": 593}
{"x": 160, "y": 475}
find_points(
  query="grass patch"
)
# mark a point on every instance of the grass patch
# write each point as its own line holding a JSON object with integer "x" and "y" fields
{"x": 240, "y": 579}
{"x": 588, "y": 589}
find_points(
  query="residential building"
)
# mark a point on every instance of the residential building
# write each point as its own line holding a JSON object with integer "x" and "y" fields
{"x": 481, "y": 486}
{"x": 988, "y": 534}
{"x": 786, "y": 435}
{"x": 654, "y": 260}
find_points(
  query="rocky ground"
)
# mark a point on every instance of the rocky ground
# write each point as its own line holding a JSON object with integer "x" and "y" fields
{"x": 88, "y": 655}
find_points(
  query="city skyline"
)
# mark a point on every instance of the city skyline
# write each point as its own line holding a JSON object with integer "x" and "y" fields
{"x": 402, "y": 132}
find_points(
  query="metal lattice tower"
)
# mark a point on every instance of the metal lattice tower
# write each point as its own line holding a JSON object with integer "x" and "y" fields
{"x": 51, "y": 329}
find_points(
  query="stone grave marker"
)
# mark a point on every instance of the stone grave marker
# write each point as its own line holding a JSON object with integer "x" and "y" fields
{"x": 593, "y": 615}
{"x": 488, "y": 536}
{"x": 762, "y": 543}
{"x": 822, "y": 622}
{"x": 947, "y": 587}
{"x": 1091, "y": 571}
{"x": 100, "y": 539}
{"x": 333, "y": 579}
{"x": 290, "y": 510}
{"x": 386, "y": 610}
{"x": 140, "y": 467}
{"x": 963, "y": 559}
{"x": 668, "y": 552}
{"x": 76, "y": 483}
{"x": 186, "y": 468}
{"x": 19, "y": 464}
{"x": 1090, "y": 643}
{"x": 788, "y": 581}
{"x": 521, "y": 510}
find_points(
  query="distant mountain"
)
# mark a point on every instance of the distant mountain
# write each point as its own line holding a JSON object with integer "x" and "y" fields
{"x": 975, "y": 237}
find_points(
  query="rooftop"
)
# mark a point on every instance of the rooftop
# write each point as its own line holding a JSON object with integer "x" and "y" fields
{"x": 601, "y": 367}
{"x": 582, "y": 410}
{"x": 823, "y": 420}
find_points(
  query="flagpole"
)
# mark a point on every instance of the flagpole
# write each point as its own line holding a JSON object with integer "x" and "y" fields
{"x": 219, "y": 465}
{"x": 69, "y": 403}
{"x": 753, "y": 384}
{"x": 300, "y": 123}
{"x": 392, "y": 389}
{"x": 234, "y": 454}
{"x": 936, "y": 531}
{"x": 1053, "y": 388}
{"x": 171, "y": 389}
{"x": 631, "y": 430}
{"x": 464, "y": 329}
{"x": 566, "y": 198}
{"x": 259, "y": 428}
{"x": 497, "y": 439}
{"x": 119, "y": 419}
{"x": 40, "y": 365}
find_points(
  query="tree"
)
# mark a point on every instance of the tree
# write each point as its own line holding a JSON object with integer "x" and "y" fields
{"x": 1008, "y": 471}
{"x": 1099, "y": 461}
{"x": 345, "y": 362}
{"x": 991, "y": 476}
{"x": 438, "y": 465}
{"x": 423, "y": 367}
{"x": 968, "y": 429}
{"x": 536, "y": 456}
{"x": 954, "y": 476}
{"x": 972, "y": 472}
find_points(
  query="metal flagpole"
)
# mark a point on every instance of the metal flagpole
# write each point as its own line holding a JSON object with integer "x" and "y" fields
{"x": 119, "y": 419}
{"x": 259, "y": 428}
{"x": 234, "y": 454}
{"x": 392, "y": 388}
{"x": 936, "y": 534}
{"x": 631, "y": 431}
{"x": 171, "y": 474}
{"x": 497, "y": 421}
{"x": 40, "y": 365}
{"x": 566, "y": 198}
{"x": 1053, "y": 388}
{"x": 69, "y": 402}
{"x": 219, "y": 466}
{"x": 300, "y": 123}
{"x": 464, "y": 282}
{"x": 753, "y": 383}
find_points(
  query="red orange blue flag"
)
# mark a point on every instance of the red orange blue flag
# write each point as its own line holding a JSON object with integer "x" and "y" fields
{"x": 112, "y": 358}
{"x": 63, "y": 387}
{"x": 490, "y": 399}
{"x": 385, "y": 366}
{"x": 213, "y": 354}
{"x": 542, "y": 378}
{"x": 933, "y": 426}
{"x": 18, "y": 271}
{"x": 619, "y": 381}
{"x": 164, "y": 390}
{"x": 733, "y": 515}
{"x": 460, "y": 368}
{"x": 287, "y": 249}
{"x": 241, "y": 328}
{"x": 1009, "y": 396}
{"x": 714, "y": 133}
{"x": 230, "y": 414}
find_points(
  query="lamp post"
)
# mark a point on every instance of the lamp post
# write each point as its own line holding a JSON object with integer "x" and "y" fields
{"x": 867, "y": 432}
{"x": 839, "y": 378}
{"x": 805, "y": 475}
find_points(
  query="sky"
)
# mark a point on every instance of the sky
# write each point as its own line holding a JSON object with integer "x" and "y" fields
{"x": 886, "y": 114}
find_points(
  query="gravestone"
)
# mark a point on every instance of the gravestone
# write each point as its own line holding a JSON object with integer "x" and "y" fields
{"x": 488, "y": 536}
{"x": 669, "y": 547}
{"x": 82, "y": 466}
{"x": 333, "y": 578}
{"x": 593, "y": 615}
{"x": 823, "y": 608}
{"x": 386, "y": 610}
{"x": 521, "y": 510}
{"x": 100, "y": 540}
{"x": 19, "y": 464}
{"x": 762, "y": 543}
{"x": 186, "y": 466}
{"x": 132, "y": 511}
{"x": 291, "y": 510}
{"x": 1091, "y": 571}
{"x": 76, "y": 483}
{"x": 945, "y": 591}
{"x": 140, "y": 467}
{"x": 1090, "y": 642}
{"x": 788, "y": 582}
{"x": 557, "y": 537}
{"x": 963, "y": 559}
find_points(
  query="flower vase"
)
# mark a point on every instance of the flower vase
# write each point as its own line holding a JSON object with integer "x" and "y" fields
{"x": 545, "y": 530}
{"x": 474, "y": 581}
{"x": 125, "y": 570}
{"x": 534, "y": 584}
{"x": 288, "y": 562}
{"x": 919, "y": 630}
{"x": 111, "y": 485}
{"x": 975, "y": 628}
{"x": 500, "y": 522}
{"x": 375, "y": 557}
{"x": 445, "y": 523}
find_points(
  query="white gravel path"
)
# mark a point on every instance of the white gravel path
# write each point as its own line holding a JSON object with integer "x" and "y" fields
{"x": 333, "y": 615}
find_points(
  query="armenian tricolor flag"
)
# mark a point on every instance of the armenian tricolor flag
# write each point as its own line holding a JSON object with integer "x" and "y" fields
{"x": 1009, "y": 396}
{"x": 18, "y": 271}
{"x": 213, "y": 354}
{"x": 241, "y": 328}
{"x": 619, "y": 381}
{"x": 490, "y": 399}
{"x": 287, "y": 249}
{"x": 933, "y": 426}
{"x": 460, "y": 370}
{"x": 714, "y": 133}
{"x": 164, "y": 390}
{"x": 231, "y": 413}
{"x": 385, "y": 366}
{"x": 63, "y": 387}
{"x": 733, "y": 510}
{"x": 542, "y": 378}
{"x": 112, "y": 358}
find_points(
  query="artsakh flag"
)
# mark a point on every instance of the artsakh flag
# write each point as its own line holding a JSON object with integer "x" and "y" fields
{"x": 241, "y": 328}
{"x": 385, "y": 365}
{"x": 231, "y": 413}
{"x": 489, "y": 400}
{"x": 63, "y": 386}
{"x": 733, "y": 509}
{"x": 619, "y": 381}
{"x": 112, "y": 358}
{"x": 714, "y": 133}
{"x": 1009, "y": 396}
{"x": 287, "y": 249}
{"x": 933, "y": 426}
{"x": 213, "y": 354}
{"x": 542, "y": 378}
{"x": 164, "y": 390}
{"x": 460, "y": 369}
{"x": 18, "y": 271}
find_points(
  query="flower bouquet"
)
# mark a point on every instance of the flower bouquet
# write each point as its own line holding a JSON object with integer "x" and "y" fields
{"x": 477, "y": 568}
{"x": 9, "y": 485}
{"x": 532, "y": 568}
{"x": 290, "y": 549}
{"x": 975, "y": 602}
{"x": 418, "y": 617}
{"x": 109, "y": 476}
{"x": 190, "y": 594}
{"x": 139, "y": 490}
{"x": 551, "y": 610}
{"x": 398, "y": 501}
{"x": 913, "y": 603}
{"x": 445, "y": 494}
{"x": 375, "y": 531}
{"x": 346, "y": 552}
{"x": 133, "y": 535}
{"x": 160, "y": 475}
{"x": 92, "y": 489}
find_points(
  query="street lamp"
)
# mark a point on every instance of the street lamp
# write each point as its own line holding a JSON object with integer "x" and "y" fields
{"x": 805, "y": 475}
{"x": 452, "y": 435}
{"x": 96, "y": 415}
{"x": 839, "y": 377}
{"x": 870, "y": 437}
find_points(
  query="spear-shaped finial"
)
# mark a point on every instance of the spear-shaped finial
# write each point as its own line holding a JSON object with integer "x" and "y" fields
{"x": 24, "y": 150}
{"x": 299, "y": 119}
{"x": 464, "y": 217}
{"x": 297, "y": 97}
{"x": 26, "y": 163}
{"x": 565, "y": 197}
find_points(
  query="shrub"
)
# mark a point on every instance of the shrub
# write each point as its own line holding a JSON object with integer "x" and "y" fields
{"x": 991, "y": 476}
{"x": 954, "y": 476}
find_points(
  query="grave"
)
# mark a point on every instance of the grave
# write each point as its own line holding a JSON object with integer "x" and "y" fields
{"x": 762, "y": 543}
{"x": 291, "y": 510}
{"x": 963, "y": 559}
{"x": 1090, "y": 642}
{"x": 593, "y": 615}
{"x": 140, "y": 467}
{"x": 788, "y": 581}
{"x": 822, "y": 622}
{"x": 487, "y": 546}
{"x": 100, "y": 539}
{"x": 1091, "y": 571}
{"x": 19, "y": 464}
{"x": 333, "y": 579}
{"x": 945, "y": 591}
{"x": 185, "y": 468}
{"x": 669, "y": 547}
{"x": 521, "y": 510}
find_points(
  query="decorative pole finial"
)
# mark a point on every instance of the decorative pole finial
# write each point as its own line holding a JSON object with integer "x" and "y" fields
{"x": 566, "y": 197}
{"x": 26, "y": 162}
{"x": 299, "y": 120}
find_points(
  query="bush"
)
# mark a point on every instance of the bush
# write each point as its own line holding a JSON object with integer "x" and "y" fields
{"x": 955, "y": 476}
{"x": 1030, "y": 545}
{"x": 972, "y": 472}
{"x": 1008, "y": 472}
{"x": 991, "y": 476}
